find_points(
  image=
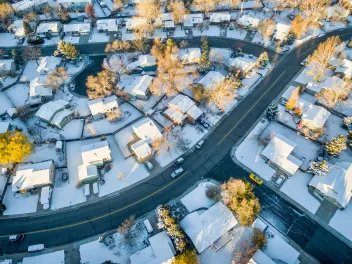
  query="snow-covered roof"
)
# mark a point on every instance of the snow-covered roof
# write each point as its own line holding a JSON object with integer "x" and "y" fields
{"x": 134, "y": 23}
{"x": 281, "y": 31}
{"x": 345, "y": 67}
{"x": 107, "y": 24}
{"x": 102, "y": 105}
{"x": 86, "y": 171}
{"x": 248, "y": 21}
{"x": 211, "y": 79}
{"x": 337, "y": 183}
{"x": 190, "y": 55}
{"x": 17, "y": 28}
{"x": 204, "y": 229}
{"x": 175, "y": 115}
{"x": 32, "y": 175}
{"x": 315, "y": 116}
{"x": 39, "y": 90}
{"x": 219, "y": 17}
{"x": 4, "y": 127}
{"x": 48, "y": 27}
{"x": 169, "y": 24}
{"x": 48, "y": 110}
{"x": 139, "y": 86}
{"x": 143, "y": 61}
{"x": 332, "y": 82}
{"x": 219, "y": 55}
{"x": 6, "y": 65}
{"x": 48, "y": 63}
{"x": 74, "y": 1}
{"x": 145, "y": 129}
{"x": 23, "y": 5}
{"x": 180, "y": 106}
{"x": 278, "y": 152}
{"x": 160, "y": 251}
{"x": 142, "y": 149}
{"x": 195, "y": 112}
{"x": 96, "y": 152}
{"x": 336, "y": 11}
{"x": 181, "y": 103}
{"x": 241, "y": 63}
{"x": 78, "y": 27}
{"x": 60, "y": 116}
{"x": 190, "y": 19}
{"x": 260, "y": 258}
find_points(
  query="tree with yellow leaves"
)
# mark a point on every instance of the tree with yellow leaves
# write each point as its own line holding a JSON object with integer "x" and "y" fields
{"x": 187, "y": 257}
{"x": 300, "y": 25}
{"x": 14, "y": 147}
{"x": 292, "y": 101}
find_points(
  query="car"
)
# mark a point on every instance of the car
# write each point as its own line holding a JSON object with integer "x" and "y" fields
{"x": 256, "y": 178}
{"x": 203, "y": 123}
{"x": 304, "y": 62}
{"x": 177, "y": 172}
{"x": 35, "y": 40}
{"x": 64, "y": 176}
{"x": 279, "y": 180}
{"x": 200, "y": 144}
{"x": 20, "y": 41}
{"x": 15, "y": 238}
{"x": 35, "y": 248}
{"x": 179, "y": 161}
{"x": 148, "y": 165}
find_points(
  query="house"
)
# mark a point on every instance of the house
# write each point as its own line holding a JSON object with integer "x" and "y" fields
{"x": 134, "y": 2}
{"x": 139, "y": 88}
{"x": 39, "y": 91}
{"x": 99, "y": 107}
{"x": 336, "y": 12}
{"x": 314, "y": 117}
{"x": 329, "y": 83}
{"x": 26, "y": 6}
{"x": 189, "y": 56}
{"x": 211, "y": 79}
{"x": 166, "y": 21}
{"x": 144, "y": 63}
{"x": 161, "y": 250}
{"x": 336, "y": 185}
{"x": 281, "y": 31}
{"x": 244, "y": 64}
{"x": 4, "y": 127}
{"x": 345, "y": 69}
{"x": 34, "y": 175}
{"x": 77, "y": 29}
{"x": 48, "y": 28}
{"x": 54, "y": 113}
{"x": 182, "y": 107}
{"x": 135, "y": 23}
{"x": 219, "y": 55}
{"x": 96, "y": 153}
{"x": 248, "y": 21}
{"x": 277, "y": 153}
{"x": 205, "y": 228}
{"x": 192, "y": 20}
{"x": 62, "y": 118}
{"x": 48, "y": 64}
{"x": 74, "y": 5}
{"x": 17, "y": 28}
{"x": 147, "y": 132}
{"x": 107, "y": 25}
{"x": 218, "y": 18}
{"x": 87, "y": 173}
{"x": 260, "y": 258}
{"x": 8, "y": 66}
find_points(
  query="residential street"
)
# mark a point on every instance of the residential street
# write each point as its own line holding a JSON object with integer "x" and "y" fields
{"x": 212, "y": 161}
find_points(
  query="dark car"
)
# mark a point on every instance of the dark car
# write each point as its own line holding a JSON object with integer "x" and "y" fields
{"x": 35, "y": 40}
{"x": 15, "y": 238}
{"x": 64, "y": 176}
{"x": 20, "y": 41}
{"x": 203, "y": 123}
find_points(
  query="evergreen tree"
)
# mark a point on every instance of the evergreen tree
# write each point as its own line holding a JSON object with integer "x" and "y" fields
{"x": 67, "y": 49}
{"x": 204, "y": 59}
{"x": 17, "y": 57}
{"x": 27, "y": 28}
{"x": 320, "y": 168}
{"x": 263, "y": 60}
{"x": 347, "y": 122}
{"x": 271, "y": 112}
{"x": 335, "y": 146}
{"x": 292, "y": 101}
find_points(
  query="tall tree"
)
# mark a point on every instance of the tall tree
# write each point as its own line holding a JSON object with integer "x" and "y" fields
{"x": 56, "y": 79}
{"x": 292, "y": 101}
{"x": 27, "y": 28}
{"x": 117, "y": 46}
{"x": 89, "y": 11}
{"x": 67, "y": 49}
{"x": 187, "y": 257}
{"x": 17, "y": 57}
{"x": 6, "y": 11}
{"x": 101, "y": 85}
{"x": 14, "y": 147}
{"x": 315, "y": 9}
{"x": 300, "y": 25}
{"x": 204, "y": 59}
{"x": 32, "y": 53}
{"x": 119, "y": 4}
{"x": 319, "y": 61}
{"x": 266, "y": 28}
{"x": 205, "y": 6}
{"x": 149, "y": 11}
{"x": 335, "y": 146}
{"x": 178, "y": 10}
{"x": 115, "y": 65}
{"x": 31, "y": 17}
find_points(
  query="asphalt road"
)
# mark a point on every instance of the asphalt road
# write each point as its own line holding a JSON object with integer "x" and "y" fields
{"x": 212, "y": 161}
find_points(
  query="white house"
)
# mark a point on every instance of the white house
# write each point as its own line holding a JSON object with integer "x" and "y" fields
{"x": 281, "y": 31}
{"x": 77, "y": 29}
{"x": 135, "y": 23}
{"x": 17, "y": 28}
{"x": 38, "y": 90}
{"x": 48, "y": 64}
{"x": 336, "y": 12}
{"x": 278, "y": 153}
{"x": 248, "y": 21}
{"x": 147, "y": 132}
{"x": 314, "y": 117}
{"x": 160, "y": 251}
{"x": 139, "y": 88}
{"x": 217, "y": 18}
{"x": 219, "y": 55}
{"x": 99, "y": 107}
{"x": 107, "y": 25}
{"x": 62, "y": 118}
{"x": 96, "y": 153}
{"x": 345, "y": 68}
{"x": 52, "y": 28}
{"x": 207, "y": 227}
{"x": 35, "y": 175}
{"x": 244, "y": 64}
{"x": 211, "y": 79}
{"x": 74, "y": 4}
{"x": 143, "y": 63}
{"x": 47, "y": 111}
{"x": 192, "y": 20}
{"x": 8, "y": 66}
{"x": 336, "y": 185}
{"x": 23, "y": 7}
{"x": 166, "y": 21}
{"x": 189, "y": 56}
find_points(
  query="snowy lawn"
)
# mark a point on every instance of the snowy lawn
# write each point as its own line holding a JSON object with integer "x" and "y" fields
{"x": 30, "y": 71}
{"x": 236, "y": 33}
{"x": 248, "y": 153}
{"x": 57, "y": 257}
{"x": 98, "y": 37}
{"x": 211, "y": 31}
{"x": 7, "y": 40}
{"x": 5, "y": 103}
{"x": 73, "y": 40}
{"x": 333, "y": 128}
{"x": 122, "y": 138}
{"x": 296, "y": 188}
{"x": 81, "y": 106}
{"x": 133, "y": 171}
{"x": 73, "y": 130}
{"x": 19, "y": 203}
{"x": 197, "y": 199}
{"x": 145, "y": 105}
{"x": 341, "y": 221}
{"x": 72, "y": 69}
{"x": 249, "y": 82}
{"x": 9, "y": 80}
{"x": 52, "y": 41}
{"x": 104, "y": 126}
{"x": 18, "y": 94}
{"x": 46, "y": 152}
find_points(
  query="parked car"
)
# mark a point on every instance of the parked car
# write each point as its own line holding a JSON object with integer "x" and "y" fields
{"x": 15, "y": 238}
{"x": 179, "y": 161}
{"x": 304, "y": 62}
{"x": 35, "y": 40}
{"x": 203, "y": 123}
{"x": 20, "y": 41}
{"x": 256, "y": 178}
{"x": 148, "y": 226}
{"x": 200, "y": 144}
{"x": 64, "y": 176}
{"x": 35, "y": 248}
{"x": 148, "y": 165}
{"x": 279, "y": 180}
{"x": 177, "y": 172}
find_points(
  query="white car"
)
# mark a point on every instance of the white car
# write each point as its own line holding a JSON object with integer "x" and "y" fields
{"x": 177, "y": 172}
{"x": 304, "y": 62}
{"x": 279, "y": 180}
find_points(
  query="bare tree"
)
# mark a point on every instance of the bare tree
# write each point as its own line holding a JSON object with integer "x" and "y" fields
{"x": 149, "y": 11}
{"x": 91, "y": 130}
{"x": 32, "y": 53}
{"x": 337, "y": 93}
{"x": 319, "y": 61}
{"x": 101, "y": 85}
{"x": 205, "y": 6}
{"x": 121, "y": 176}
{"x": 117, "y": 46}
{"x": 119, "y": 4}
{"x": 113, "y": 115}
{"x": 178, "y": 10}
{"x": 266, "y": 28}
{"x": 31, "y": 17}
{"x": 57, "y": 79}
{"x": 115, "y": 65}
{"x": 126, "y": 229}
{"x": 300, "y": 25}
{"x": 315, "y": 9}
{"x": 6, "y": 11}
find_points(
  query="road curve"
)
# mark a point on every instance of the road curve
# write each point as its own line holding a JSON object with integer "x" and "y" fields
{"x": 85, "y": 221}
